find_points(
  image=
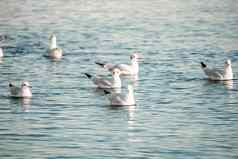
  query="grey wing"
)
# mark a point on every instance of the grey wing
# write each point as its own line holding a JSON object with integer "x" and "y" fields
{"x": 109, "y": 66}
{"x": 118, "y": 98}
{"x": 214, "y": 73}
{"x": 15, "y": 91}
{"x": 101, "y": 82}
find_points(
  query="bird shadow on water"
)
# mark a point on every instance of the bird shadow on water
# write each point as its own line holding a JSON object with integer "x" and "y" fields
{"x": 19, "y": 105}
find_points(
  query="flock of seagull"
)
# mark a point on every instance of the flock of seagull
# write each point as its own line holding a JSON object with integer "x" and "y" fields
{"x": 118, "y": 99}
{"x": 117, "y": 70}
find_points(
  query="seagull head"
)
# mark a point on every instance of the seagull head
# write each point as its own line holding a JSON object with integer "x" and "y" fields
{"x": 135, "y": 56}
{"x": 52, "y": 36}
{"x": 116, "y": 72}
{"x": 228, "y": 63}
{"x": 26, "y": 84}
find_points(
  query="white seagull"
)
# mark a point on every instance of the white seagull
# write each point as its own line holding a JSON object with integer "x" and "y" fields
{"x": 132, "y": 69}
{"x": 120, "y": 99}
{"x": 102, "y": 83}
{"x": 22, "y": 92}
{"x": 219, "y": 75}
{"x": 54, "y": 51}
{"x": 1, "y": 53}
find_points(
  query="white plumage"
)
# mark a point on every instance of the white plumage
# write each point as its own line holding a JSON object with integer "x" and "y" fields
{"x": 1, "y": 53}
{"x": 54, "y": 51}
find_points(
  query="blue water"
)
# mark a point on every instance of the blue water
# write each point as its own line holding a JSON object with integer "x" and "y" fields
{"x": 178, "y": 114}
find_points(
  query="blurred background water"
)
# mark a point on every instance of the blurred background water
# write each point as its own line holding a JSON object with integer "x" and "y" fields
{"x": 178, "y": 114}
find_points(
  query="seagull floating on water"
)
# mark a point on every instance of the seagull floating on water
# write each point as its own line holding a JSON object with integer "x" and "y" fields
{"x": 1, "y": 53}
{"x": 22, "y": 92}
{"x": 219, "y": 75}
{"x": 102, "y": 83}
{"x": 54, "y": 51}
{"x": 120, "y": 99}
{"x": 132, "y": 69}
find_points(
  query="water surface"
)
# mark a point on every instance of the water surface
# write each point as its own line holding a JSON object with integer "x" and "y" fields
{"x": 178, "y": 114}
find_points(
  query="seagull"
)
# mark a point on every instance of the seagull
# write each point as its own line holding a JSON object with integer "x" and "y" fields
{"x": 1, "y": 53}
{"x": 54, "y": 51}
{"x": 102, "y": 83}
{"x": 132, "y": 69}
{"x": 120, "y": 99}
{"x": 218, "y": 75}
{"x": 22, "y": 92}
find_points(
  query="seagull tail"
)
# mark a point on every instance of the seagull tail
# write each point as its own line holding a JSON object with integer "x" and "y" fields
{"x": 88, "y": 75}
{"x": 106, "y": 92}
{"x": 203, "y": 65}
{"x": 100, "y": 64}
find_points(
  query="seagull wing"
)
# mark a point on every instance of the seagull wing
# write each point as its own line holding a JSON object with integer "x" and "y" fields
{"x": 124, "y": 68}
{"x": 214, "y": 74}
{"x": 118, "y": 99}
{"x": 102, "y": 83}
{"x": 109, "y": 66}
{"x": 14, "y": 90}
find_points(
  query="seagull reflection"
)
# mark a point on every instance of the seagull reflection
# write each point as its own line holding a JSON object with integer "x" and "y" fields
{"x": 130, "y": 109}
{"x": 25, "y": 104}
{"x": 229, "y": 84}
{"x": 20, "y": 104}
{"x": 131, "y": 114}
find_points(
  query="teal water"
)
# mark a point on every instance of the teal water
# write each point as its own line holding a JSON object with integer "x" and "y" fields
{"x": 178, "y": 114}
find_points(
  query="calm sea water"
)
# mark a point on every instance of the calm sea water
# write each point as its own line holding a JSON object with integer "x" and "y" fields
{"x": 178, "y": 114}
